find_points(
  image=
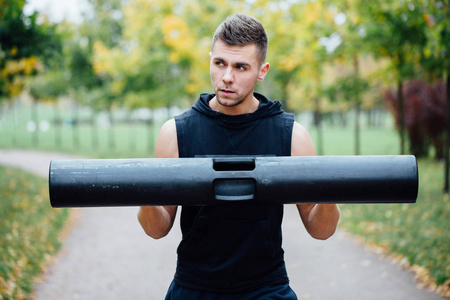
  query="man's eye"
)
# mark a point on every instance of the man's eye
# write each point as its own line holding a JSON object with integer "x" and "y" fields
{"x": 219, "y": 63}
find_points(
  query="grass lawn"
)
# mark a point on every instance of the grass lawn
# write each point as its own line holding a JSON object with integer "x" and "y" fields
{"x": 29, "y": 231}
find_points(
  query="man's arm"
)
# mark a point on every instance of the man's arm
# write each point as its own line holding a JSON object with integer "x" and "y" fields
{"x": 158, "y": 220}
{"x": 320, "y": 220}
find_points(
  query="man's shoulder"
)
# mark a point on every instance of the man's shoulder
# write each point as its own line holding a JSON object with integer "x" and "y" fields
{"x": 187, "y": 115}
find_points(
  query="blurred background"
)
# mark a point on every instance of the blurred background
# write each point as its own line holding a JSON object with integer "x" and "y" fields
{"x": 98, "y": 78}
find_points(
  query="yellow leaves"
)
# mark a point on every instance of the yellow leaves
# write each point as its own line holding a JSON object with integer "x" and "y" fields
{"x": 313, "y": 12}
{"x": 29, "y": 229}
{"x": 15, "y": 71}
{"x": 9, "y": 288}
{"x": 143, "y": 19}
{"x": 118, "y": 87}
{"x": 177, "y": 37}
{"x": 282, "y": 28}
{"x": 427, "y": 281}
{"x": 316, "y": 11}
{"x": 196, "y": 82}
{"x": 110, "y": 61}
{"x": 288, "y": 63}
{"x": 192, "y": 88}
{"x": 24, "y": 66}
{"x": 101, "y": 58}
{"x": 173, "y": 28}
{"x": 174, "y": 57}
{"x": 14, "y": 51}
{"x": 137, "y": 14}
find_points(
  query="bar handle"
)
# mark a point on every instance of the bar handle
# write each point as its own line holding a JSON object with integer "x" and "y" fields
{"x": 234, "y": 189}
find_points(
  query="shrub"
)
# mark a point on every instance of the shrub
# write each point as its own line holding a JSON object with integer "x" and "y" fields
{"x": 424, "y": 115}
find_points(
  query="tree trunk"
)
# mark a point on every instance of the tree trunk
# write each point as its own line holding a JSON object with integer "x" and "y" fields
{"x": 15, "y": 105}
{"x": 34, "y": 118}
{"x": 75, "y": 133}
{"x": 447, "y": 137}
{"x": 132, "y": 131}
{"x": 94, "y": 130}
{"x": 58, "y": 124}
{"x": 357, "y": 129}
{"x": 151, "y": 124}
{"x": 112, "y": 141}
{"x": 357, "y": 107}
{"x": 318, "y": 124}
{"x": 401, "y": 116}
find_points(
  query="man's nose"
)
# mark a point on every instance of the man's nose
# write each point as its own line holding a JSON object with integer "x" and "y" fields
{"x": 228, "y": 75}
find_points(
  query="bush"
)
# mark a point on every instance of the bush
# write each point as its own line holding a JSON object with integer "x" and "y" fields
{"x": 424, "y": 115}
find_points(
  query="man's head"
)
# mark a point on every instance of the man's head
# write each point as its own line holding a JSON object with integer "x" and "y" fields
{"x": 243, "y": 30}
{"x": 237, "y": 64}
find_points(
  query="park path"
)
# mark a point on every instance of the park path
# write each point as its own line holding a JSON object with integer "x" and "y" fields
{"x": 106, "y": 255}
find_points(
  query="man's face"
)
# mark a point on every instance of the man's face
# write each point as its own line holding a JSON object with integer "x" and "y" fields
{"x": 235, "y": 70}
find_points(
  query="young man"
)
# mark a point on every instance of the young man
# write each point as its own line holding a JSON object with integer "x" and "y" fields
{"x": 234, "y": 251}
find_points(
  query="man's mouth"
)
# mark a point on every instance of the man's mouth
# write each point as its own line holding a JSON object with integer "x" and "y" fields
{"x": 228, "y": 92}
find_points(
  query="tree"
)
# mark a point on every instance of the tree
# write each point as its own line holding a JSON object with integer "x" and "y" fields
{"x": 26, "y": 46}
{"x": 351, "y": 32}
{"x": 351, "y": 88}
{"x": 436, "y": 62}
{"x": 424, "y": 112}
{"x": 395, "y": 29}
{"x": 162, "y": 58}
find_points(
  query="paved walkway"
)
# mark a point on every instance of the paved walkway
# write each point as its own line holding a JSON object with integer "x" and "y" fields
{"x": 108, "y": 256}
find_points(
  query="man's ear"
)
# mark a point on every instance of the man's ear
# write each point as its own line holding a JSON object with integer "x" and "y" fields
{"x": 263, "y": 71}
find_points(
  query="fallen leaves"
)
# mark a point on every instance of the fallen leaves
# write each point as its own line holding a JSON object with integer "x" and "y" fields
{"x": 30, "y": 228}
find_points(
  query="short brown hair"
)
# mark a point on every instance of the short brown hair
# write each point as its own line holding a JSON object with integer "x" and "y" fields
{"x": 242, "y": 30}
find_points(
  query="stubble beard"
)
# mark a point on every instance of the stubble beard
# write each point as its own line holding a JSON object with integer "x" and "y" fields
{"x": 231, "y": 102}
{"x": 235, "y": 102}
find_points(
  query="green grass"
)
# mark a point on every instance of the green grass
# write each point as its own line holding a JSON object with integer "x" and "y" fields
{"x": 420, "y": 232}
{"x": 29, "y": 231}
{"x": 340, "y": 141}
{"x": 98, "y": 140}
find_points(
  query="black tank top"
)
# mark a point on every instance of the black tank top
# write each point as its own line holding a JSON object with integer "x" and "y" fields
{"x": 232, "y": 247}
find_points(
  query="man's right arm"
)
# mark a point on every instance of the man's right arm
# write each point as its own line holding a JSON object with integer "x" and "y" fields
{"x": 158, "y": 220}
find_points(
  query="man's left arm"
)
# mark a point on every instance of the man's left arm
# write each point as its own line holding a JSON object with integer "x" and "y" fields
{"x": 320, "y": 220}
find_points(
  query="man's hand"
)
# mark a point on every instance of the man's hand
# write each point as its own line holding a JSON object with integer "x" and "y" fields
{"x": 320, "y": 220}
{"x": 158, "y": 220}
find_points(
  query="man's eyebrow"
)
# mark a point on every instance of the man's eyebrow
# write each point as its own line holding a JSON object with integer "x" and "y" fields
{"x": 239, "y": 64}
{"x": 242, "y": 64}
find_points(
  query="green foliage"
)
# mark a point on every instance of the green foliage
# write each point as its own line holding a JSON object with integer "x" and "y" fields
{"x": 436, "y": 54}
{"x": 29, "y": 230}
{"x": 154, "y": 53}
{"x": 350, "y": 88}
{"x": 49, "y": 85}
{"x": 26, "y": 45}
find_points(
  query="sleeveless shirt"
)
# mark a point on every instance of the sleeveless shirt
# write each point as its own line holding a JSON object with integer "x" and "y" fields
{"x": 232, "y": 247}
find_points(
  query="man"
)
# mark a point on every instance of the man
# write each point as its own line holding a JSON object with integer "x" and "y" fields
{"x": 234, "y": 251}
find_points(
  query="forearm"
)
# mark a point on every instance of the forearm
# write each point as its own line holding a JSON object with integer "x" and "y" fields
{"x": 157, "y": 220}
{"x": 320, "y": 219}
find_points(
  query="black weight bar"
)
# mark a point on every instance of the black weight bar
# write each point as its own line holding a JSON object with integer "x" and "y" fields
{"x": 219, "y": 180}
